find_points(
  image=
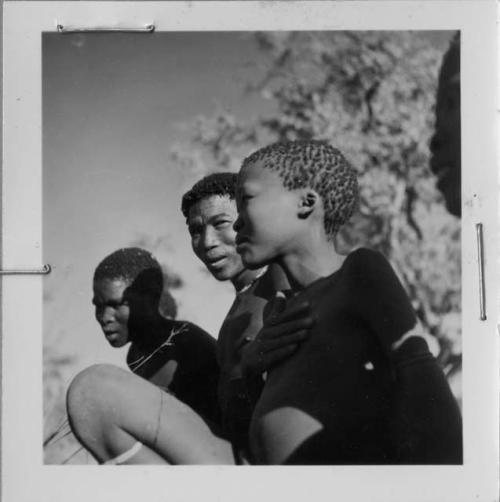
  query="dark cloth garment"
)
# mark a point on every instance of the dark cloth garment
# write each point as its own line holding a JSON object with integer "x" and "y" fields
{"x": 426, "y": 426}
{"x": 238, "y": 394}
{"x": 184, "y": 362}
{"x": 375, "y": 407}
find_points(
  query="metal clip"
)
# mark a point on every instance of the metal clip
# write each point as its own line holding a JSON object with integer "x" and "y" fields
{"x": 482, "y": 308}
{"x": 37, "y": 271}
{"x": 149, "y": 28}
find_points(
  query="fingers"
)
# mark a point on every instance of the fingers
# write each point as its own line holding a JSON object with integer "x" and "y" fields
{"x": 299, "y": 310}
{"x": 269, "y": 359}
{"x": 285, "y": 328}
{"x": 282, "y": 341}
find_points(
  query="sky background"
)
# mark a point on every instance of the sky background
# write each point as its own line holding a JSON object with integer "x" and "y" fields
{"x": 114, "y": 108}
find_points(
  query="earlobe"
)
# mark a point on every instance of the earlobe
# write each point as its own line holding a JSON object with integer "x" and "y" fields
{"x": 308, "y": 202}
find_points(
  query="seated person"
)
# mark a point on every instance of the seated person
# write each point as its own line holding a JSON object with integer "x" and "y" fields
{"x": 123, "y": 419}
{"x": 335, "y": 400}
{"x": 177, "y": 356}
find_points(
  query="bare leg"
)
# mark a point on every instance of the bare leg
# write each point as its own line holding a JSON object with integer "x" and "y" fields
{"x": 110, "y": 410}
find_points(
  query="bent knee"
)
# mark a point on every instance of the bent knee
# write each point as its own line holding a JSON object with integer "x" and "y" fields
{"x": 90, "y": 390}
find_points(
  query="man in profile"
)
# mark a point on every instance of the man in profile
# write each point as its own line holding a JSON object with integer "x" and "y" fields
{"x": 178, "y": 356}
{"x": 446, "y": 142}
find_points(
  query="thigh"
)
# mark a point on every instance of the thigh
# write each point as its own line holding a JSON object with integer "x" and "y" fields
{"x": 126, "y": 402}
{"x": 171, "y": 428}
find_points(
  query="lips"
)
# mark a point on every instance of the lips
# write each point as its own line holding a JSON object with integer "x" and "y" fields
{"x": 215, "y": 261}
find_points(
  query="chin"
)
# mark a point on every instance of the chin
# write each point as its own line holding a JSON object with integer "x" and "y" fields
{"x": 220, "y": 275}
{"x": 116, "y": 344}
{"x": 253, "y": 262}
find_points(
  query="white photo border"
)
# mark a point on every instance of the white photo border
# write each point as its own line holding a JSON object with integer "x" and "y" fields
{"x": 25, "y": 478}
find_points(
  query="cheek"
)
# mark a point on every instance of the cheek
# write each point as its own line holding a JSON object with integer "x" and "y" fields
{"x": 227, "y": 236}
{"x": 195, "y": 246}
{"x": 123, "y": 314}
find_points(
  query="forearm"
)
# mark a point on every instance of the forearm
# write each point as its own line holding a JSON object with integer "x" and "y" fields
{"x": 428, "y": 419}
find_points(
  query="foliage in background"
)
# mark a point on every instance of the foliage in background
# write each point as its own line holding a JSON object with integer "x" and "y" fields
{"x": 372, "y": 95}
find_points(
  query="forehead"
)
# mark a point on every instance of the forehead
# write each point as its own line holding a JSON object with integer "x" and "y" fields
{"x": 254, "y": 174}
{"x": 110, "y": 288}
{"x": 211, "y": 206}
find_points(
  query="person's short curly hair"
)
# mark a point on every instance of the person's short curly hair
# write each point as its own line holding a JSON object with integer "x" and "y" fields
{"x": 223, "y": 184}
{"x": 317, "y": 165}
{"x": 136, "y": 266}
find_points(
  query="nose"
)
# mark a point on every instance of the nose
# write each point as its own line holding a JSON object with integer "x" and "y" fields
{"x": 104, "y": 315}
{"x": 238, "y": 224}
{"x": 209, "y": 238}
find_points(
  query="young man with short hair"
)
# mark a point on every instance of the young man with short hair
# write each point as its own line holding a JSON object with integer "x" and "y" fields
{"x": 210, "y": 212}
{"x": 335, "y": 400}
{"x": 177, "y": 356}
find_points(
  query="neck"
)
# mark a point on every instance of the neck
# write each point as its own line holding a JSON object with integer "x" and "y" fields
{"x": 151, "y": 332}
{"x": 245, "y": 277}
{"x": 308, "y": 263}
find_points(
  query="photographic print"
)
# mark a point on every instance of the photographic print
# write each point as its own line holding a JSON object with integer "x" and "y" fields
{"x": 132, "y": 121}
{"x": 260, "y": 246}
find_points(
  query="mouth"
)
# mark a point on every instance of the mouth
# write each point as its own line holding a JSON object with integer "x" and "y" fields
{"x": 216, "y": 261}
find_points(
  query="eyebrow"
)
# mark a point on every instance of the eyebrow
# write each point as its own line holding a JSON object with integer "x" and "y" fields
{"x": 220, "y": 215}
{"x": 195, "y": 221}
{"x": 112, "y": 302}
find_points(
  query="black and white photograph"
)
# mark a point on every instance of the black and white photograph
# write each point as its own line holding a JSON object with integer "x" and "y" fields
{"x": 256, "y": 244}
{"x": 144, "y": 136}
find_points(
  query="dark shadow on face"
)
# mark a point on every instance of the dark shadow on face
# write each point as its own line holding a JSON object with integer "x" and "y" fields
{"x": 143, "y": 296}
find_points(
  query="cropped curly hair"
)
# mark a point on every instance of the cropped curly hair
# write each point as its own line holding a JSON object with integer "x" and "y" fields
{"x": 319, "y": 166}
{"x": 136, "y": 266}
{"x": 223, "y": 184}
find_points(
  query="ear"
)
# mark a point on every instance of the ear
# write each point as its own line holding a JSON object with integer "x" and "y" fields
{"x": 308, "y": 202}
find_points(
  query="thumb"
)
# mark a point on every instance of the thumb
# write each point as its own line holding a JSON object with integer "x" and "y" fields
{"x": 274, "y": 308}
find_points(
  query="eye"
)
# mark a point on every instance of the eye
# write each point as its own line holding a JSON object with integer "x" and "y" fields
{"x": 222, "y": 223}
{"x": 194, "y": 230}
